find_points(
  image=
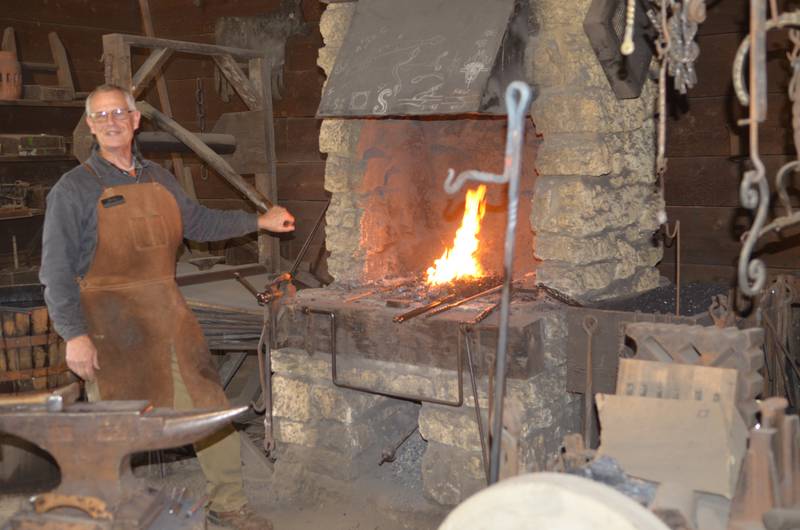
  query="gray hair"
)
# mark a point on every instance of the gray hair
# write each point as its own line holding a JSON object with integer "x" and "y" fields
{"x": 108, "y": 87}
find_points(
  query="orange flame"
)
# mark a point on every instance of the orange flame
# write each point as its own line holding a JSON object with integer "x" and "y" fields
{"x": 460, "y": 261}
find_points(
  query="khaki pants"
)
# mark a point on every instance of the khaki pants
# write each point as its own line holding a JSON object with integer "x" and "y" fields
{"x": 219, "y": 454}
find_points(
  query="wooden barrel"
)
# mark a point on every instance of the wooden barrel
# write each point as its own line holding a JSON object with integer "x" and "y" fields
{"x": 10, "y": 76}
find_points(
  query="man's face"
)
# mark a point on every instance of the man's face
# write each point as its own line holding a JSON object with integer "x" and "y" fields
{"x": 111, "y": 132}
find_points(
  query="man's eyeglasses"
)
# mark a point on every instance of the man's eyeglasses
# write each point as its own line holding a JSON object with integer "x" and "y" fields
{"x": 103, "y": 115}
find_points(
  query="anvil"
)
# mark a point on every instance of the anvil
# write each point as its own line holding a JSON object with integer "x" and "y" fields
{"x": 92, "y": 444}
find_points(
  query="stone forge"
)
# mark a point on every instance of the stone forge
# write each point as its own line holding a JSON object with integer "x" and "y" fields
{"x": 329, "y": 433}
{"x": 588, "y": 190}
{"x": 588, "y": 181}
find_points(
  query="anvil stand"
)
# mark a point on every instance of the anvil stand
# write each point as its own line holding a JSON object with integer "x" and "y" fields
{"x": 92, "y": 444}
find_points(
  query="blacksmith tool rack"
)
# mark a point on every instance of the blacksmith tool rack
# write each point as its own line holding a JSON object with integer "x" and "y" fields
{"x": 754, "y": 190}
{"x": 518, "y": 98}
{"x": 92, "y": 444}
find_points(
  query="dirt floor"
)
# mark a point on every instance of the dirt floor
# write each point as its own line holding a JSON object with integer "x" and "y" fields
{"x": 390, "y": 498}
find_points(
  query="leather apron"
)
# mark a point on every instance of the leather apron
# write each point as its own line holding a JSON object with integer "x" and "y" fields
{"x": 136, "y": 315}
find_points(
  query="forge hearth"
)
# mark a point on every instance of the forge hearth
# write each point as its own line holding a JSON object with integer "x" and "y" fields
{"x": 588, "y": 180}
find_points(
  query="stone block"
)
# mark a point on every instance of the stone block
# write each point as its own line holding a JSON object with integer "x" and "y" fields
{"x": 343, "y": 173}
{"x": 582, "y": 207}
{"x": 342, "y": 404}
{"x": 566, "y": 15}
{"x": 298, "y": 363}
{"x": 291, "y": 398}
{"x": 450, "y": 426}
{"x": 603, "y": 247}
{"x": 330, "y": 463}
{"x": 450, "y": 475}
{"x": 338, "y": 136}
{"x": 573, "y": 154}
{"x": 597, "y": 281}
{"x": 594, "y": 110}
{"x": 563, "y": 58}
{"x": 335, "y": 22}
{"x": 633, "y": 156}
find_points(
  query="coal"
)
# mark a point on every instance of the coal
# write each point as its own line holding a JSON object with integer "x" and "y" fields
{"x": 696, "y": 297}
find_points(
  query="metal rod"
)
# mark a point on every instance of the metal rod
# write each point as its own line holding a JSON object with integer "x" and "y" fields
{"x": 484, "y": 454}
{"x": 412, "y": 397}
{"x": 480, "y": 317}
{"x": 307, "y": 242}
{"x": 424, "y": 309}
{"x": 451, "y": 305}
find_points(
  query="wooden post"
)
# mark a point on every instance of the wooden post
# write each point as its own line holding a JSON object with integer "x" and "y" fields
{"x": 161, "y": 85}
{"x": 10, "y": 331}
{"x": 269, "y": 251}
{"x": 9, "y": 41}
{"x": 117, "y": 59}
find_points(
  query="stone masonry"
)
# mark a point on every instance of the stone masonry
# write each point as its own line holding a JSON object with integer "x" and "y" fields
{"x": 327, "y": 435}
{"x": 595, "y": 204}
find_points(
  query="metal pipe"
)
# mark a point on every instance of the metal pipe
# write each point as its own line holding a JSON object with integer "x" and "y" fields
{"x": 411, "y": 397}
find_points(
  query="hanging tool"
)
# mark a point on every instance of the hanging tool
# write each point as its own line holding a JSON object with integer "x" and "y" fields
{"x": 590, "y": 327}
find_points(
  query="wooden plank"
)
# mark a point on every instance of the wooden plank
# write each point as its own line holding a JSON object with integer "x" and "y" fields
{"x": 178, "y": 17}
{"x": 306, "y": 214}
{"x": 301, "y": 181}
{"x": 114, "y": 16}
{"x": 725, "y": 275}
{"x": 711, "y": 181}
{"x": 234, "y": 74}
{"x": 303, "y": 90}
{"x": 149, "y": 70}
{"x": 186, "y": 47}
{"x": 710, "y": 236}
{"x": 701, "y": 129}
{"x": 63, "y": 72}
{"x": 184, "y": 109}
{"x": 297, "y": 139}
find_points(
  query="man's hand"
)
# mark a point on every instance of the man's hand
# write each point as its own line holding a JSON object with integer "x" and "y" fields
{"x": 277, "y": 219}
{"x": 82, "y": 357}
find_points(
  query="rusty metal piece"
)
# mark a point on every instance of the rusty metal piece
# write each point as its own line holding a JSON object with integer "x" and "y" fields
{"x": 197, "y": 505}
{"x": 589, "y": 326}
{"x": 451, "y": 305}
{"x": 92, "y": 506}
{"x": 557, "y": 295}
{"x": 423, "y": 309}
{"x": 483, "y": 315}
{"x": 388, "y": 454}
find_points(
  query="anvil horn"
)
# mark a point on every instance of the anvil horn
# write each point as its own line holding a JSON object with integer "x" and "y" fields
{"x": 184, "y": 429}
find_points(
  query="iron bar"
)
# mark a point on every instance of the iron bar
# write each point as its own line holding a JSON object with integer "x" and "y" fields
{"x": 307, "y": 242}
{"x": 424, "y": 309}
{"x": 389, "y": 454}
{"x": 451, "y": 305}
{"x": 411, "y": 397}
{"x": 466, "y": 328}
{"x": 518, "y": 97}
{"x": 480, "y": 317}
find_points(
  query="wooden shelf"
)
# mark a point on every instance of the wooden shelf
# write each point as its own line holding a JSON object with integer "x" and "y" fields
{"x": 37, "y": 103}
{"x": 19, "y": 213}
{"x": 41, "y": 158}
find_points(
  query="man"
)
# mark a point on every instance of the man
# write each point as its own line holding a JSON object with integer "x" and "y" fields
{"x": 112, "y": 229}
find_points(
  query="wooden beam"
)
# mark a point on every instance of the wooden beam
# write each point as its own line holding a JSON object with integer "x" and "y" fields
{"x": 240, "y": 83}
{"x": 139, "y": 41}
{"x": 149, "y": 70}
{"x": 266, "y": 183}
{"x": 62, "y": 63}
{"x": 219, "y": 164}
{"x": 117, "y": 59}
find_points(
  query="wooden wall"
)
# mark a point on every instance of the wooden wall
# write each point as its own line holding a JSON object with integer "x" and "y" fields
{"x": 708, "y": 153}
{"x": 300, "y": 165}
{"x": 81, "y": 24}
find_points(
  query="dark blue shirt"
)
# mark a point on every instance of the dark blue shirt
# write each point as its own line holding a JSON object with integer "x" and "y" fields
{"x": 70, "y": 230}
